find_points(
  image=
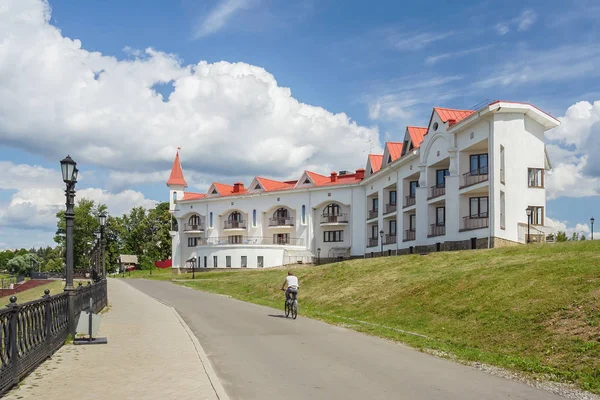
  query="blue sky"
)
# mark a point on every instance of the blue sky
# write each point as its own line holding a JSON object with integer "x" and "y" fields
{"x": 78, "y": 83}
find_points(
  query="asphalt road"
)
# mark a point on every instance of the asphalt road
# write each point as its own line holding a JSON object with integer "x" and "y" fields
{"x": 257, "y": 354}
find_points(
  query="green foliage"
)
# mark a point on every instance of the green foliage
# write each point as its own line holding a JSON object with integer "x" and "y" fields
{"x": 561, "y": 236}
{"x": 19, "y": 265}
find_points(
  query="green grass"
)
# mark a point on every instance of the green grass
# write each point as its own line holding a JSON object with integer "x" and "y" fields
{"x": 532, "y": 309}
{"x": 36, "y": 293}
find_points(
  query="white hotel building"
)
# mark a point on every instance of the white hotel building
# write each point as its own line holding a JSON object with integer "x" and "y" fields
{"x": 464, "y": 181}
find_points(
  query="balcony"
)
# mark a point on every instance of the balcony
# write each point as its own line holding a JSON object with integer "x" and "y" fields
{"x": 190, "y": 228}
{"x": 389, "y": 239}
{"x": 389, "y": 208}
{"x": 235, "y": 225}
{"x": 474, "y": 177}
{"x": 437, "y": 230}
{"x": 372, "y": 242}
{"x": 410, "y": 200}
{"x": 372, "y": 214}
{"x": 409, "y": 235}
{"x": 334, "y": 219}
{"x": 280, "y": 222}
{"x": 250, "y": 240}
{"x": 436, "y": 191}
{"x": 473, "y": 222}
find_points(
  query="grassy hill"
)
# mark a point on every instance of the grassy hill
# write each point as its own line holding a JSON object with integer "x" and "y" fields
{"x": 533, "y": 309}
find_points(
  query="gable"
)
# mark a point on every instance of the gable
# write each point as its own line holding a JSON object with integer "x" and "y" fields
{"x": 304, "y": 180}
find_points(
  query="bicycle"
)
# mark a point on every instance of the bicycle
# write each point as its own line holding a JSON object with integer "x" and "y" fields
{"x": 291, "y": 306}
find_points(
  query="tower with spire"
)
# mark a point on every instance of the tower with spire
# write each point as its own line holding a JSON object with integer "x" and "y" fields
{"x": 176, "y": 183}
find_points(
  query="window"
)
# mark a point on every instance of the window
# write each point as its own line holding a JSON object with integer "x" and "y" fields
{"x": 214, "y": 191}
{"x": 215, "y": 258}
{"x": 211, "y": 220}
{"x": 281, "y": 238}
{"x": 371, "y": 172}
{"x": 192, "y": 242}
{"x": 205, "y": 262}
{"x": 174, "y": 197}
{"x": 393, "y": 196}
{"x": 228, "y": 261}
{"x": 501, "y": 164}
{"x": 440, "y": 177}
{"x": 332, "y": 210}
{"x": 303, "y": 214}
{"x": 435, "y": 126}
{"x": 413, "y": 185}
{"x": 502, "y": 211}
{"x": 393, "y": 227}
{"x": 537, "y": 215}
{"x": 235, "y": 239}
{"x": 194, "y": 220}
{"x": 535, "y": 177}
{"x": 478, "y": 207}
{"x": 257, "y": 187}
{"x": 254, "y": 218}
{"x": 235, "y": 216}
{"x": 412, "y": 222}
{"x": 404, "y": 147}
{"x": 333, "y": 236}
{"x": 440, "y": 216}
{"x": 389, "y": 159}
{"x": 244, "y": 262}
{"x": 374, "y": 231}
{"x": 479, "y": 164}
{"x": 307, "y": 181}
{"x": 260, "y": 261}
{"x": 375, "y": 203}
{"x": 281, "y": 213}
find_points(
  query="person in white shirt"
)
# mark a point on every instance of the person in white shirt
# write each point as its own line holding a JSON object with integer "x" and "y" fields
{"x": 292, "y": 285}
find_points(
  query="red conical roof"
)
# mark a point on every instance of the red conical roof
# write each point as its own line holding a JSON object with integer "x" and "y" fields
{"x": 176, "y": 177}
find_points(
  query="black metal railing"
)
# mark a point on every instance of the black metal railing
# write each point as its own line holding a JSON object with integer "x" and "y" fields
{"x": 249, "y": 240}
{"x": 193, "y": 227}
{"x": 372, "y": 242}
{"x": 409, "y": 235}
{"x": 437, "y": 191}
{"x": 33, "y": 331}
{"x": 281, "y": 221}
{"x": 373, "y": 214}
{"x": 389, "y": 208}
{"x": 235, "y": 225}
{"x": 410, "y": 200}
{"x": 437, "y": 230}
{"x": 474, "y": 177}
{"x": 341, "y": 218}
{"x": 389, "y": 239}
{"x": 477, "y": 221}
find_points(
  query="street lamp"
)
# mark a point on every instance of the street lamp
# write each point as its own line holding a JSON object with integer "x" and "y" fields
{"x": 102, "y": 222}
{"x": 319, "y": 256}
{"x": 381, "y": 236}
{"x": 528, "y": 210}
{"x": 592, "y": 223}
{"x": 68, "y": 167}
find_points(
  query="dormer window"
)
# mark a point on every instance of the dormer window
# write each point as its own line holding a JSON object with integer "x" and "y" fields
{"x": 371, "y": 173}
{"x": 307, "y": 181}
{"x": 214, "y": 191}
{"x": 390, "y": 159}
{"x": 257, "y": 187}
{"x": 435, "y": 126}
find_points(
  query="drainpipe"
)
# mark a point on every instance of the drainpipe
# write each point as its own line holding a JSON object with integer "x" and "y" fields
{"x": 491, "y": 204}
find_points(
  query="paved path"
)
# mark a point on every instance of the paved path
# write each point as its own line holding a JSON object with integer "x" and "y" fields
{"x": 259, "y": 355}
{"x": 149, "y": 355}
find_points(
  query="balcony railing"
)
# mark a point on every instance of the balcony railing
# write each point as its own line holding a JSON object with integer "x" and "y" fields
{"x": 281, "y": 221}
{"x": 373, "y": 214}
{"x": 341, "y": 218}
{"x": 474, "y": 177}
{"x": 250, "y": 240}
{"x": 477, "y": 221}
{"x": 389, "y": 208}
{"x": 372, "y": 242}
{"x": 437, "y": 230}
{"x": 235, "y": 225}
{"x": 437, "y": 191}
{"x": 193, "y": 227}
{"x": 409, "y": 235}
{"x": 410, "y": 200}
{"x": 389, "y": 239}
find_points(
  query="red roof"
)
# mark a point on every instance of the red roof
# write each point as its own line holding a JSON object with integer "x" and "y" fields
{"x": 376, "y": 160}
{"x": 322, "y": 180}
{"x": 395, "y": 150}
{"x": 318, "y": 179}
{"x": 451, "y": 115}
{"x": 193, "y": 196}
{"x": 416, "y": 135}
{"x": 176, "y": 177}
{"x": 227, "y": 190}
{"x": 271, "y": 185}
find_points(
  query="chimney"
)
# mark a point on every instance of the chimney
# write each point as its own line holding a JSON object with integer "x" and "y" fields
{"x": 334, "y": 176}
{"x": 360, "y": 173}
{"x": 238, "y": 187}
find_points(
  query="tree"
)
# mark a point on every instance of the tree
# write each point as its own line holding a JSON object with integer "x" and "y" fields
{"x": 582, "y": 237}
{"x": 561, "y": 236}
{"x": 19, "y": 265}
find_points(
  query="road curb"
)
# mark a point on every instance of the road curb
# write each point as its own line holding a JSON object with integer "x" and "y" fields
{"x": 208, "y": 369}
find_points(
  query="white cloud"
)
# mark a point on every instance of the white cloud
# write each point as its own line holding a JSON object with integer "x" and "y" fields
{"x": 435, "y": 59}
{"x": 522, "y": 22}
{"x": 220, "y": 15}
{"x": 24, "y": 176}
{"x": 582, "y": 229}
{"x": 232, "y": 119}
{"x": 410, "y": 42}
{"x": 502, "y": 29}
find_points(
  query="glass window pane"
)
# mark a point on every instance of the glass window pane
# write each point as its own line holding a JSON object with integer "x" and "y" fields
{"x": 474, "y": 206}
{"x": 483, "y": 205}
{"x": 483, "y": 162}
{"x": 474, "y": 163}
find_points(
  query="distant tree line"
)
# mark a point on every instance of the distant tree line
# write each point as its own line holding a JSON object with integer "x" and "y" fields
{"x": 561, "y": 236}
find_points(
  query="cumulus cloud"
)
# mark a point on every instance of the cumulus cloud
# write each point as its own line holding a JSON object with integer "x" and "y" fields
{"x": 564, "y": 226}
{"x": 231, "y": 118}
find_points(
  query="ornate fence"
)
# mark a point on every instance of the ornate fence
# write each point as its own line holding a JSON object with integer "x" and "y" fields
{"x": 32, "y": 332}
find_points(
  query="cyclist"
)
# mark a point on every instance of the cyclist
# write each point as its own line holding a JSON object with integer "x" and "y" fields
{"x": 292, "y": 285}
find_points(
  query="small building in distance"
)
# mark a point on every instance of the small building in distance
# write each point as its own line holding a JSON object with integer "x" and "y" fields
{"x": 127, "y": 262}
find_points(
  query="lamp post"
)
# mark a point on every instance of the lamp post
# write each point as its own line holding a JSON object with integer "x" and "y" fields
{"x": 102, "y": 222}
{"x": 528, "y": 211}
{"x": 193, "y": 268}
{"x": 381, "y": 237}
{"x": 69, "y": 174}
{"x": 319, "y": 256}
{"x": 592, "y": 223}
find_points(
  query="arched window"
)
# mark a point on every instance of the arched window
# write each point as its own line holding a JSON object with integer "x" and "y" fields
{"x": 332, "y": 210}
{"x": 281, "y": 213}
{"x": 235, "y": 216}
{"x": 194, "y": 220}
{"x": 174, "y": 197}
{"x": 211, "y": 220}
{"x": 254, "y": 218}
{"x": 304, "y": 214}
